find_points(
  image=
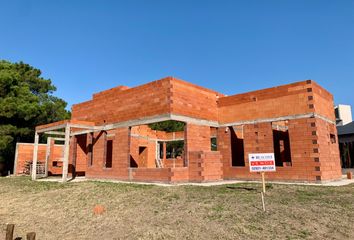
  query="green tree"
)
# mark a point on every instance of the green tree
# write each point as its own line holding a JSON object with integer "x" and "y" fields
{"x": 26, "y": 100}
{"x": 168, "y": 126}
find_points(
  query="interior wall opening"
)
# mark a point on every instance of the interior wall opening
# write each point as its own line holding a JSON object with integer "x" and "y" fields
{"x": 157, "y": 145}
{"x": 109, "y": 154}
{"x": 213, "y": 139}
{"x": 281, "y": 141}
{"x": 237, "y": 146}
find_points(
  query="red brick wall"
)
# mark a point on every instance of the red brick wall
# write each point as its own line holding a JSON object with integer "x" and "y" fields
{"x": 81, "y": 153}
{"x": 205, "y": 166}
{"x": 323, "y": 102}
{"x": 173, "y": 175}
{"x": 180, "y": 174}
{"x": 191, "y": 100}
{"x": 173, "y": 162}
{"x": 121, "y": 105}
{"x": 168, "y": 95}
{"x": 120, "y": 159}
{"x": 25, "y": 153}
{"x": 329, "y": 165}
{"x": 308, "y": 164}
{"x": 135, "y": 143}
{"x": 151, "y": 174}
{"x": 274, "y": 102}
{"x": 197, "y": 137}
{"x": 56, "y": 155}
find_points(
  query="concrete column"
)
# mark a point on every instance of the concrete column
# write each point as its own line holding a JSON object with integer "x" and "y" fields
{"x": 157, "y": 153}
{"x": 35, "y": 156}
{"x": 47, "y": 155}
{"x": 73, "y": 142}
{"x": 16, "y": 160}
{"x": 66, "y": 153}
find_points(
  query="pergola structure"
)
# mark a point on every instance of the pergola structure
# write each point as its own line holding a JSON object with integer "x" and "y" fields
{"x": 67, "y": 129}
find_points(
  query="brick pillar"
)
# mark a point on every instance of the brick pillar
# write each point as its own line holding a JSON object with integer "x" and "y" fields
{"x": 224, "y": 147}
{"x": 164, "y": 151}
{"x": 329, "y": 166}
{"x": 121, "y": 152}
{"x": 258, "y": 138}
{"x": 197, "y": 137}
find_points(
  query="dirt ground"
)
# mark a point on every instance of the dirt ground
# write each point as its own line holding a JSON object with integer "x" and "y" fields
{"x": 65, "y": 211}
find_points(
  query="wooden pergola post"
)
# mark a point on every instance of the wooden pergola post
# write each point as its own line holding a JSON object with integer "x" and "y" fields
{"x": 35, "y": 156}
{"x": 66, "y": 153}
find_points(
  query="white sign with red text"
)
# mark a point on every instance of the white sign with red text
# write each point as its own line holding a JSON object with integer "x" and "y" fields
{"x": 261, "y": 162}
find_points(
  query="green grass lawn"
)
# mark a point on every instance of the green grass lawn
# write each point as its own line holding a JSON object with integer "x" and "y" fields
{"x": 65, "y": 211}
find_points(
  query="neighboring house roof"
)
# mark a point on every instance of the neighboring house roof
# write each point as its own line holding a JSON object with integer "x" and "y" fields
{"x": 346, "y": 129}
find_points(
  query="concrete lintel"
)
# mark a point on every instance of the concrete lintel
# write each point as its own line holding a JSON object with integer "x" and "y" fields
{"x": 176, "y": 117}
{"x": 74, "y": 125}
{"x": 31, "y": 144}
{"x": 61, "y": 126}
{"x": 137, "y": 122}
{"x": 284, "y": 118}
{"x": 49, "y": 130}
{"x": 196, "y": 121}
{"x": 170, "y": 140}
{"x": 58, "y": 139}
{"x": 84, "y": 132}
{"x": 54, "y": 133}
{"x": 155, "y": 139}
{"x": 144, "y": 121}
{"x": 324, "y": 118}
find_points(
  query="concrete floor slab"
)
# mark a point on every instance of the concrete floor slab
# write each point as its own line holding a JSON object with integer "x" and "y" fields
{"x": 344, "y": 181}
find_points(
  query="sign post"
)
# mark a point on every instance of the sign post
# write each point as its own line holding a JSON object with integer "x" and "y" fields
{"x": 263, "y": 182}
{"x": 262, "y": 162}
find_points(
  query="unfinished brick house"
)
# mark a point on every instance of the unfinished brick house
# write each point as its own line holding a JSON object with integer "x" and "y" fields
{"x": 110, "y": 136}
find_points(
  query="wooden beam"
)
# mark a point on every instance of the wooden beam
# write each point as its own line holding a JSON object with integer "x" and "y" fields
{"x": 35, "y": 156}
{"x": 66, "y": 153}
{"x": 9, "y": 231}
{"x": 31, "y": 236}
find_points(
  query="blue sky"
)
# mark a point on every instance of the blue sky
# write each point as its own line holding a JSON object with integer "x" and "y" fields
{"x": 227, "y": 45}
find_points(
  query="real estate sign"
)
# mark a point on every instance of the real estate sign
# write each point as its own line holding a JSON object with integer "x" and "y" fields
{"x": 261, "y": 162}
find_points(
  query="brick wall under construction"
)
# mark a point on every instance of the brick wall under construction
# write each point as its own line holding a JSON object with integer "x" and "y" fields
{"x": 295, "y": 121}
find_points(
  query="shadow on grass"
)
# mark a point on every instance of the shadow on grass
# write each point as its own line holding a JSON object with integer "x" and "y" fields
{"x": 251, "y": 189}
